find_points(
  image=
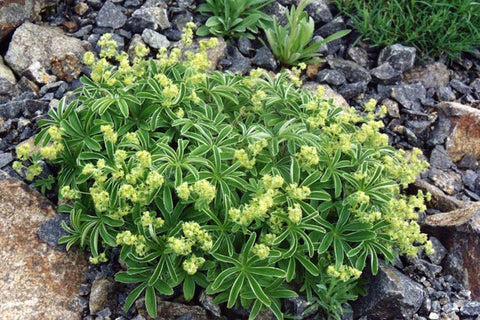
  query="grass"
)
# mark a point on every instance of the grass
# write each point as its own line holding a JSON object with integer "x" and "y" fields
{"x": 434, "y": 27}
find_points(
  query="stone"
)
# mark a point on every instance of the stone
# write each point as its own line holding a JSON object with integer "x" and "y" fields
{"x": 440, "y": 159}
{"x": 55, "y": 51}
{"x": 460, "y": 86}
{"x": 14, "y": 12}
{"x": 352, "y": 71}
{"x": 324, "y": 47}
{"x": 439, "y": 200}
{"x": 217, "y": 53}
{"x": 453, "y": 218}
{"x": 390, "y": 295}
{"x": 5, "y": 158}
{"x": 331, "y": 27}
{"x": 298, "y": 307}
{"x": 359, "y": 55}
{"x": 152, "y": 14}
{"x": 392, "y": 108}
{"x": 398, "y": 56}
{"x": 6, "y": 72}
{"x": 448, "y": 182}
{"x": 239, "y": 64}
{"x": 409, "y": 95}
{"x": 264, "y": 59}
{"x": 338, "y": 100}
{"x": 352, "y": 90}
{"x": 276, "y": 10}
{"x": 36, "y": 72}
{"x": 464, "y": 135}
{"x": 100, "y": 293}
{"x": 470, "y": 178}
{"x": 245, "y": 45}
{"x": 434, "y": 75}
{"x": 111, "y": 16}
{"x": 207, "y": 302}
{"x": 171, "y": 310}
{"x": 37, "y": 281}
{"x": 333, "y": 77}
{"x": 51, "y": 231}
{"x": 385, "y": 72}
{"x": 81, "y": 8}
{"x": 445, "y": 94}
{"x": 439, "y": 251}
{"x": 136, "y": 40}
{"x": 155, "y": 39}
{"x": 319, "y": 11}
{"x": 471, "y": 309}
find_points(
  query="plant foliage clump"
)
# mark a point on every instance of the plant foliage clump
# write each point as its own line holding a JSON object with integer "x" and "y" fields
{"x": 434, "y": 27}
{"x": 247, "y": 186}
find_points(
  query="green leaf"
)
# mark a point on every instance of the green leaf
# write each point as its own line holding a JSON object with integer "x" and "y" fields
{"x": 258, "y": 291}
{"x": 267, "y": 271}
{"x": 188, "y": 288}
{"x": 151, "y": 301}
{"x": 167, "y": 199}
{"x": 235, "y": 290}
{"x": 133, "y": 296}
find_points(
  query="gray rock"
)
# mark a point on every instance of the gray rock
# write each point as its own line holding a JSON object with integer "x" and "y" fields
{"x": 392, "y": 108}
{"x": 239, "y": 64}
{"x": 445, "y": 94}
{"x": 352, "y": 71}
{"x": 298, "y": 306}
{"x": 324, "y": 47}
{"x": 469, "y": 179}
{"x": 26, "y": 107}
{"x": 409, "y": 95}
{"x": 460, "y": 86}
{"x": 155, "y": 39}
{"x": 265, "y": 59}
{"x": 5, "y": 158}
{"x": 319, "y": 11}
{"x": 468, "y": 162}
{"x": 184, "y": 4}
{"x": 398, "y": 56}
{"x": 36, "y": 72}
{"x": 448, "y": 182}
{"x": 55, "y": 51}
{"x": 136, "y": 40}
{"x": 439, "y": 158}
{"x": 352, "y": 90}
{"x": 245, "y": 45}
{"x": 359, "y": 55}
{"x": 172, "y": 310}
{"x": 440, "y": 131}
{"x": 385, "y": 72}
{"x": 153, "y": 13}
{"x": 111, "y": 16}
{"x": 471, "y": 309}
{"x": 132, "y": 3}
{"x": 276, "y": 10}
{"x": 431, "y": 76}
{"x": 180, "y": 20}
{"x": 5, "y": 86}
{"x": 51, "y": 231}
{"x": 333, "y": 77}
{"x": 331, "y": 27}
{"x": 6, "y": 73}
{"x": 207, "y": 302}
{"x": 100, "y": 293}
{"x": 390, "y": 295}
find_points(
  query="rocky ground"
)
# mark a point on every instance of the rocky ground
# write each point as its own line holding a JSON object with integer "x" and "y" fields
{"x": 431, "y": 105}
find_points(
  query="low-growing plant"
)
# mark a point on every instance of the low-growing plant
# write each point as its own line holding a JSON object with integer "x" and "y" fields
{"x": 233, "y": 18}
{"x": 291, "y": 43}
{"x": 434, "y": 27}
{"x": 247, "y": 186}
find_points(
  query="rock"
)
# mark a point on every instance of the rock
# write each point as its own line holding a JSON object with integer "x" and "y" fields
{"x": 99, "y": 294}
{"x": 14, "y": 12}
{"x": 385, "y": 72}
{"x": 36, "y": 72}
{"x": 359, "y": 55}
{"x": 352, "y": 90}
{"x": 207, "y": 302}
{"x": 439, "y": 199}
{"x": 239, "y": 64}
{"x": 298, "y": 306}
{"x": 434, "y": 75}
{"x": 440, "y": 130}
{"x": 56, "y": 52}
{"x": 81, "y": 8}
{"x": 445, "y": 94}
{"x": 324, "y": 47}
{"x": 400, "y": 57}
{"x": 390, "y": 295}
{"x": 392, "y": 108}
{"x": 153, "y": 15}
{"x": 460, "y": 86}
{"x": 331, "y": 27}
{"x": 333, "y": 77}
{"x": 51, "y": 231}
{"x": 111, "y": 16}
{"x": 469, "y": 179}
{"x": 448, "y": 182}
{"x": 464, "y": 134}
{"x": 276, "y": 10}
{"x": 155, "y": 39}
{"x": 439, "y": 158}
{"x": 6, "y": 72}
{"x": 245, "y": 45}
{"x": 217, "y": 53}
{"x": 409, "y": 95}
{"x": 136, "y": 40}
{"x": 265, "y": 59}
{"x": 171, "y": 310}
{"x": 319, "y": 11}
{"x": 37, "y": 281}
{"x": 338, "y": 100}
{"x": 5, "y": 158}
{"x": 439, "y": 253}
{"x": 352, "y": 71}
{"x": 453, "y": 218}
{"x": 471, "y": 309}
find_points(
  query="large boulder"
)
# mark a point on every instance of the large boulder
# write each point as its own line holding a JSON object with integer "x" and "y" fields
{"x": 56, "y": 52}
{"x": 37, "y": 281}
{"x": 14, "y": 12}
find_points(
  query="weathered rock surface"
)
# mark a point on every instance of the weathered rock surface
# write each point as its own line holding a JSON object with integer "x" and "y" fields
{"x": 6, "y": 72}
{"x": 398, "y": 56}
{"x": 14, "y": 12}
{"x": 37, "y": 281}
{"x": 390, "y": 295}
{"x": 338, "y": 100}
{"x": 434, "y": 75}
{"x": 171, "y": 310}
{"x": 100, "y": 293}
{"x": 464, "y": 134}
{"x": 55, "y": 51}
